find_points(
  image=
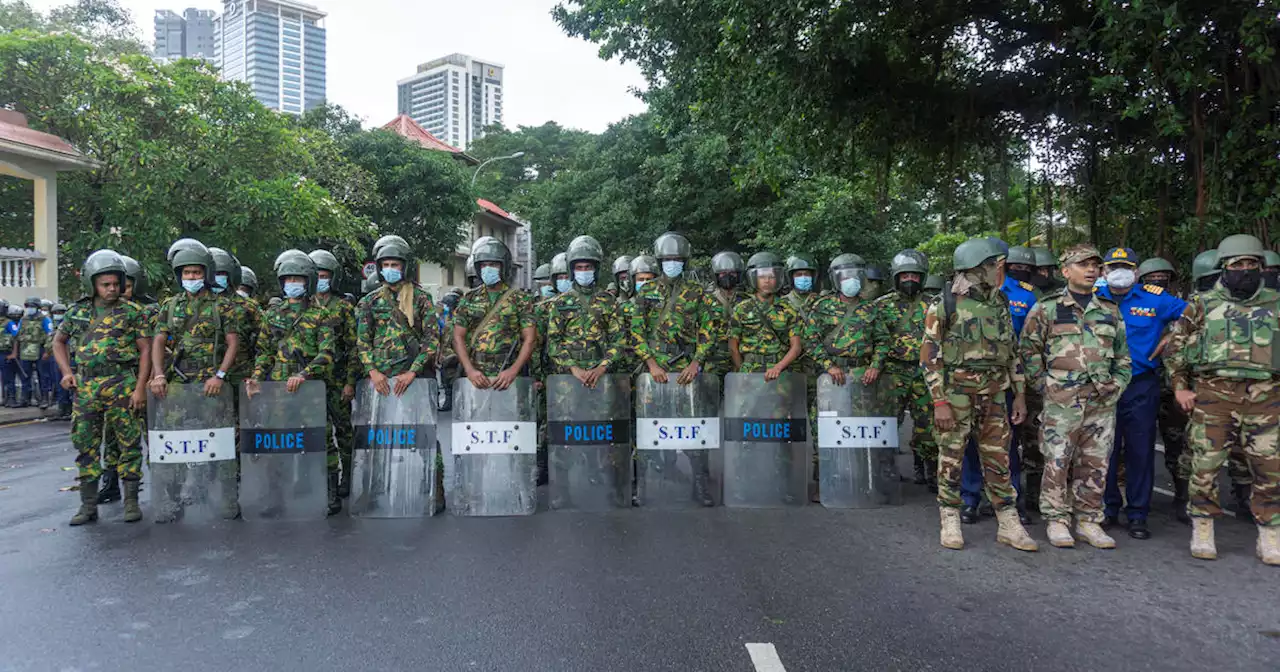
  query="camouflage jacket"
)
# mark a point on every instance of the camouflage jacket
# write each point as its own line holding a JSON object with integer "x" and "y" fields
{"x": 494, "y": 325}
{"x": 195, "y": 328}
{"x": 8, "y": 335}
{"x": 674, "y": 323}
{"x": 1066, "y": 346}
{"x": 845, "y": 334}
{"x": 1219, "y": 335}
{"x": 106, "y": 338}
{"x": 342, "y": 318}
{"x": 722, "y": 311}
{"x": 763, "y": 330}
{"x": 973, "y": 350}
{"x": 903, "y": 317}
{"x": 31, "y": 337}
{"x": 583, "y": 330}
{"x": 295, "y": 338}
{"x": 251, "y": 318}
{"x": 540, "y": 364}
{"x": 802, "y": 302}
{"x": 384, "y": 340}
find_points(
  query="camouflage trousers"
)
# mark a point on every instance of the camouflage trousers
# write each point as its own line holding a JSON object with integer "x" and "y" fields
{"x": 101, "y": 403}
{"x": 912, "y": 397}
{"x": 1032, "y": 459}
{"x": 1077, "y": 436}
{"x": 1236, "y": 415}
{"x": 1173, "y": 423}
{"x": 342, "y": 432}
{"x": 983, "y": 418}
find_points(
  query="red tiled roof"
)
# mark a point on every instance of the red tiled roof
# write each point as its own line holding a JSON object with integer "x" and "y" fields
{"x": 406, "y": 127}
{"x": 493, "y": 208}
{"x": 13, "y": 128}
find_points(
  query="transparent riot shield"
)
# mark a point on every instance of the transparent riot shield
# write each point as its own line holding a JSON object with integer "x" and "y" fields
{"x": 857, "y": 444}
{"x": 679, "y": 461}
{"x": 191, "y": 454}
{"x": 589, "y": 443}
{"x": 395, "y": 453}
{"x": 766, "y": 426}
{"x": 494, "y": 449}
{"x": 283, "y": 439}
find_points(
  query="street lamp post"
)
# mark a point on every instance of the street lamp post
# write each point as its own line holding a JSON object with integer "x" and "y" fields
{"x": 496, "y": 158}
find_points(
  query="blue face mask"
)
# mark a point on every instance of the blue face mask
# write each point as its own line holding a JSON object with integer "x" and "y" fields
{"x": 850, "y": 286}
{"x": 392, "y": 275}
{"x": 295, "y": 290}
{"x": 193, "y": 286}
{"x": 547, "y": 291}
{"x": 672, "y": 269}
{"x": 563, "y": 285}
{"x": 584, "y": 278}
{"x": 219, "y": 283}
{"x": 490, "y": 275}
{"x": 804, "y": 283}
{"x": 322, "y": 285}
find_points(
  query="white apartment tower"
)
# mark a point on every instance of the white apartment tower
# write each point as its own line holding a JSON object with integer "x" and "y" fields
{"x": 186, "y": 35}
{"x": 277, "y": 47}
{"x": 454, "y": 98}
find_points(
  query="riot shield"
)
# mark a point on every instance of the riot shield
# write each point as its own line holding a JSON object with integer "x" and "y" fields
{"x": 766, "y": 455}
{"x": 283, "y": 439}
{"x": 394, "y": 473}
{"x": 495, "y": 450}
{"x": 191, "y": 454}
{"x": 857, "y": 444}
{"x": 589, "y": 442}
{"x": 679, "y": 461}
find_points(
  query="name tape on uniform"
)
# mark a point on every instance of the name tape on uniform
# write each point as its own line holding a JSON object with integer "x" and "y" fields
{"x": 678, "y": 433}
{"x": 766, "y": 430}
{"x": 280, "y": 441}
{"x": 495, "y": 437}
{"x": 180, "y": 446}
{"x": 395, "y": 437}
{"x": 857, "y": 432}
{"x": 589, "y": 433}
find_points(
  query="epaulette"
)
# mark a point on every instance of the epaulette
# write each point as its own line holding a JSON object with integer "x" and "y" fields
{"x": 1027, "y": 286}
{"x": 1154, "y": 289}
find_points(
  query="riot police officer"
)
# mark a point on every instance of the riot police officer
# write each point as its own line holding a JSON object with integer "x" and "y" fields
{"x": 802, "y": 279}
{"x": 248, "y": 284}
{"x": 1171, "y": 421}
{"x": 873, "y": 287}
{"x": 1046, "y": 278}
{"x": 494, "y": 332}
{"x": 620, "y": 288}
{"x": 29, "y": 348}
{"x": 1205, "y": 271}
{"x": 340, "y": 383}
{"x": 9, "y": 323}
{"x": 764, "y": 333}
{"x": 543, "y": 287}
{"x": 560, "y": 273}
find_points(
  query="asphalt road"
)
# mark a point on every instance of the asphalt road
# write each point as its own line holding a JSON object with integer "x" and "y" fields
{"x": 632, "y": 590}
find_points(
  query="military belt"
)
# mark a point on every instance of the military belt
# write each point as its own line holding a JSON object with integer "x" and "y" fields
{"x": 1241, "y": 374}
{"x": 672, "y": 348}
{"x": 107, "y": 370}
{"x": 487, "y": 358}
{"x": 851, "y": 362}
{"x": 762, "y": 358}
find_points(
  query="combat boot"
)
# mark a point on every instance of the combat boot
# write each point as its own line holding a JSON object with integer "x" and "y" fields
{"x": 1060, "y": 534}
{"x": 132, "y": 512}
{"x": 701, "y": 493}
{"x": 1242, "y": 494}
{"x": 88, "y": 512}
{"x": 64, "y": 412}
{"x": 1269, "y": 544}
{"x": 1202, "y": 545}
{"x": 335, "y": 502}
{"x": 110, "y": 491}
{"x": 1180, "y": 500}
{"x": 951, "y": 537}
{"x": 42, "y": 399}
{"x": 1012, "y": 532}
{"x": 918, "y": 472}
{"x": 1092, "y": 533}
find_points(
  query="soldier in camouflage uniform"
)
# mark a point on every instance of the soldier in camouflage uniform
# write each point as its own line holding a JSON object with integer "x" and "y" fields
{"x": 47, "y": 367}
{"x": 620, "y": 288}
{"x": 395, "y": 341}
{"x": 10, "y": 320}
{"x": 197, "y": 336}
{"x": 873, "y": 287}
{"x": 583, "y": 330}
{"x": 135, "y": 289}
{"x": 112, "y": 353}
{"x": 932, "y": 286}
{"x": 248, "y": 288}
{"x": 1225, "y": 363}
{"x": 727, "y": 270}
{"x": 494, "y": 333}
{"x": 1271, "y": 269}
{"x": 902, "y": 313}
{"x": 542, "y": 286}
{"x": 1170, "y": 420}
{"x": 297, "y": 342}
{"x": 673, "y": 327}
{"x": 28, "y": 347}
{"x": 340, "y": 383}
{"x": 970, "y": 361}
{"x": 62, "y": 397}
{"x": 560, "y": 273}
{"x": 764, "y": 333}
{"x": 1076, "y": 353}
{"x": 1046, "y": 278}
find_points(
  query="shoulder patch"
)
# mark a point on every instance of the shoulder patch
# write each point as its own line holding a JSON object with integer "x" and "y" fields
{"x": 1027, "y": 286}
{"x": 1154, "y": 289}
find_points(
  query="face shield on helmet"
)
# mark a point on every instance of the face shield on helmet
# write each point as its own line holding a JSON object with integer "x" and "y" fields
{"x": 848, "y": 280}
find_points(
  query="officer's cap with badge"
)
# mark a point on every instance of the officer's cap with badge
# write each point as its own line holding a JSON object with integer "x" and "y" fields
{"x": 1121, "y": 256}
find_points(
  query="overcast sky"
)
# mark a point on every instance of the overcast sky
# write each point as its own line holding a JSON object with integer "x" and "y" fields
{"x": 372, "y": 43}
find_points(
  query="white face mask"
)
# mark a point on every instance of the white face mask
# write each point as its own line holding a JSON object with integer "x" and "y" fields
{"x": 1121, "y": 278}
{"x": 851, "y": 286}
{"x": 584, "y": 278}
{"x": 672, "y": 269}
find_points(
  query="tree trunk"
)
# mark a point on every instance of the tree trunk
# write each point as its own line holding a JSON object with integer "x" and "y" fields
{"x": 1091, "y": 186}
{"x": 884, "y": 175}
{"x": 1048, "y": 210}
{"x": 1197, "y": 152}
{"x": 1004, "y": 188}
{"x": 1162, "y": 225}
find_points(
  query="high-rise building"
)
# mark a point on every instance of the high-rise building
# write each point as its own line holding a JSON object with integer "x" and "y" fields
{"x": 454, "y": 98}
{"x": 189, "y": 35}
{"x": 277, "y": 47}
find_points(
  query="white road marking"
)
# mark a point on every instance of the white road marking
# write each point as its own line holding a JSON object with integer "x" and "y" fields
{"x": 765, "y": 658}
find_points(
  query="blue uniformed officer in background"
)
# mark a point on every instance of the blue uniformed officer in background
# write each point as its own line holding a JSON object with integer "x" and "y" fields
{"x": 1147, "y": 311}
{"x": 1019, "y": 267}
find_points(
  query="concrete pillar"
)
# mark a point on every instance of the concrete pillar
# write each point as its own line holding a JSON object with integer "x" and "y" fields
{"x": 46, "y": 230}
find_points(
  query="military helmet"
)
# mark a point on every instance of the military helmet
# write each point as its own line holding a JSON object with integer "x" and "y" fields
{"x": 182, "y": 244}
{"x": 644, "y": 264}
{"x": 1019, "y": 254}
{"x": 1155, "y": 265}
{"x": 325, "y": 261}
{"x": 296, "y": 262}
{"x": 97, "y": 263}
{"x": 542, "y": 273}
{"x": 392, "y": 249}
{"x": 1270, "y": 258}
{"x": 491, "y": 250}
{"x": 225, "y": 262}
{"x": 32, "y": 302}
{"x": 622, "y": 265}
{"x": 482, "y": 240}
{"x": 584, "y": 248}
{"x": 877, "y": 272}
{"x": 46, "y": 304}
{"x": 974, "y": 252}
{"x": 248, "y": 278}
{"x": 1239, "y": 245}
{"x": 1000, "y": 244}
{"x": 560, "y": 264}
{"x": 1045, "y": 258}
{"x": 671, "y": 245}
{"x": 933, "y": 283}
{"x": 369, "y": 284}
{"x": 274, "y": 301}
{"x": 469, "y": 267}
{"x": 842, "y": 265}
{"x": 1205, "y": 265}
{"x": 389, "y": 238}
{"x": 15, "y": 310}
{"x": 59, "y": 308}
{"x": 727, "y": 261}
{"x": 801, "y": 262}
{"x": 905, "y": 262}
{"x": 765, "y": 264}
{"x": 193, "y": 253}
{"x": 133, "y": 273}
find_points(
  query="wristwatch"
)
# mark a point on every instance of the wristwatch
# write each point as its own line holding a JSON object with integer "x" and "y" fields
{"x": 221, "y": 375}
